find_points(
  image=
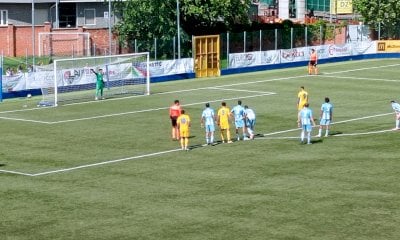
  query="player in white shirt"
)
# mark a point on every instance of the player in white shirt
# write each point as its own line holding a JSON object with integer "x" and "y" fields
{"x": 250, "y": 121}
{"x": 304, "y": 120}
{"x": 396, "y": 108}
{"x": 208, "y": 122}
{"x": 326, "y": 117}
{"x": 239, "y": 114}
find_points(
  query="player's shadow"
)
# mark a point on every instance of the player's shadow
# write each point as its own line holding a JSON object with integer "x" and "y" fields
{"x": 2, "y": 165}
{"x": 205, "y": 145}
{"x": 333, "y": 133}
{"x": 315, "y": 141}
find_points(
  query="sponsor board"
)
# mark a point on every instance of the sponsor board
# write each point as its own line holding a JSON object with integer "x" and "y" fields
{"x": 388, "y": 46}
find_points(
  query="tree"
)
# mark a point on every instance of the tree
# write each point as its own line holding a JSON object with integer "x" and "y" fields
{"x": 384, "y": 12}
{"x": 146, "y": 20}
{"x": 214, "y": 16}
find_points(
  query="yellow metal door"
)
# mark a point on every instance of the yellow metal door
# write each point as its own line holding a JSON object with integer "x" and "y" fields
{"x": 207, "y": 54}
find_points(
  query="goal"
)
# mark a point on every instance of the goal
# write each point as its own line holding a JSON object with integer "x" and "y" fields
{"x": 73, "y": 81}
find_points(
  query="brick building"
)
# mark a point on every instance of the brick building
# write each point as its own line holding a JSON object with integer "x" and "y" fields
{"x": 65, "y": 27}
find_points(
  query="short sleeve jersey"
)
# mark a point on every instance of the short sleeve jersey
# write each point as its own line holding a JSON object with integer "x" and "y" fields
{"x": 306, "y": 116}
{"x": 223, "y": 115}
{"x": 208, "y": 116}
{"x": 250, "y": 114}
{"x": 183, "y": 122}
{"x": 175, "y": 111}
{"x": 238, "y": 112}
{"x": 326, "y": 111}
{"x": 396, "y": 107}
{"x": 302, "y": 98}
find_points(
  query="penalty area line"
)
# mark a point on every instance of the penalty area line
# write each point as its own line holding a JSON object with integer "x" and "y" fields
{"x": 105, "y": 162}
{"x": 16, "y": 173}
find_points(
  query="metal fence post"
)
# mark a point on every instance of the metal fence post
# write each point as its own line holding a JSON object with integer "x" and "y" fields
{"x": 306, "y": 37}
{"x": 379, "y": 31}
{"x": 291, "y": 38}
{"x": 244, "y": 41}
{"x": 173, "y": 43}
{"x": 155, "y": 48}
{"x": 227, "y": 48}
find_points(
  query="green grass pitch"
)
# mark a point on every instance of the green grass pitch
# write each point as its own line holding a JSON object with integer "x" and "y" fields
{"x": 109, "y": 169}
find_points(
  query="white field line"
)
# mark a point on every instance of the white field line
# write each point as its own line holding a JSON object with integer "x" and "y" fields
{"x": 362, "y": 69}
{"x": 344, "y": 121}
{"x": 239, "y": 90}
{"x": 364, "y": 133}
{"x": 266, "y": 137}
{"x": 24, "y": 120}
{"x": 151, "y": 109}
{"x": 338, "y": 135}
{"x": 157, "y": 109}
{"x": 17, "y": 173}
{"x": 91, "y": 165}
{"x": 360, "y": 78}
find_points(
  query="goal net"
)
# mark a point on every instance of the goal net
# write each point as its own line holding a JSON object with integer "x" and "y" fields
{"x": 64, "y": 44}
{"x": 73, "y": 81}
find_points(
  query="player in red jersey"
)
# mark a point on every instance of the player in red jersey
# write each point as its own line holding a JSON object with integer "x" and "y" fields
{"x": 174, "y": 113}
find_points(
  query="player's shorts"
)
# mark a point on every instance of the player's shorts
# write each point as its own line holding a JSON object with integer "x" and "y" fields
{"x": 325, "y": 122}
{"x": 173, "y": 121}
{"x": 307, "y": 127}
{"x": 250, "y": 123}
{"x": 184, "y": 133}
{"x": 210, "y": 128}
{"x": 398, "y": 115}
{"x": 224, "y": 125}
{"x": 313, "y": 63}
{"x": 239, "y": 123}
{"x": 301, "y": 105}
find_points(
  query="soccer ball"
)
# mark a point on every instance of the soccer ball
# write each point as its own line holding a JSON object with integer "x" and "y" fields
{"x": 29, "y": 95}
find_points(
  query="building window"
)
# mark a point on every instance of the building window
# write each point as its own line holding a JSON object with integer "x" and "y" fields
{"x": 292, "y": 9}
{"x": 90, "y": 16}
{"x": 4, "y": 17}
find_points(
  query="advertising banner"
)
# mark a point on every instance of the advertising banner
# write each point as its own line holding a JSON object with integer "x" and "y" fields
{"x": 254, "y": 58}
{"x": 79, "y": 76}
{"x": 341, "y": 6}
{"x": 388, "y": 46}
{"x": 295, "y": 54}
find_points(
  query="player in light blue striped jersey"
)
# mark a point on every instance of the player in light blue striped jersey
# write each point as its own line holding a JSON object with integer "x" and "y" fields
{"x": 239, "y": 114}
{"x": 250, "y": 121}
{"x": 208, "y": 122}
{"x": 304, "y": 120}
{"x": 396, "y": 108}
{"x": 326, "y": 117}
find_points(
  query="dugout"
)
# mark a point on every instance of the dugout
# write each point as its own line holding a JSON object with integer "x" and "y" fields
{"x": 206, "y": 51}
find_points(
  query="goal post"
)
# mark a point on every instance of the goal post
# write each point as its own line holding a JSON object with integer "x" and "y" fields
{"x": 73, "y": 81}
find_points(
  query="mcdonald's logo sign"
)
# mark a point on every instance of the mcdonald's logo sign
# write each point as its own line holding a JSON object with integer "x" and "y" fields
{"x": 381, "y": 46}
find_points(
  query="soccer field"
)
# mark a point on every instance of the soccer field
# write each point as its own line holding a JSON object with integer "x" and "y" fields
{"x": 109, "y": 169}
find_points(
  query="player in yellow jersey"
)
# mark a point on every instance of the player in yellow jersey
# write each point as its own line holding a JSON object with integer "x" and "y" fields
{"x": 302, "y": 98}
{"x": 183, "y": 123}
{"x": 223, "y": 117}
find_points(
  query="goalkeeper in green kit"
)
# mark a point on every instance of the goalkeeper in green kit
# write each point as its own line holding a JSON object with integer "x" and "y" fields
{"x": 99, "y": 83}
